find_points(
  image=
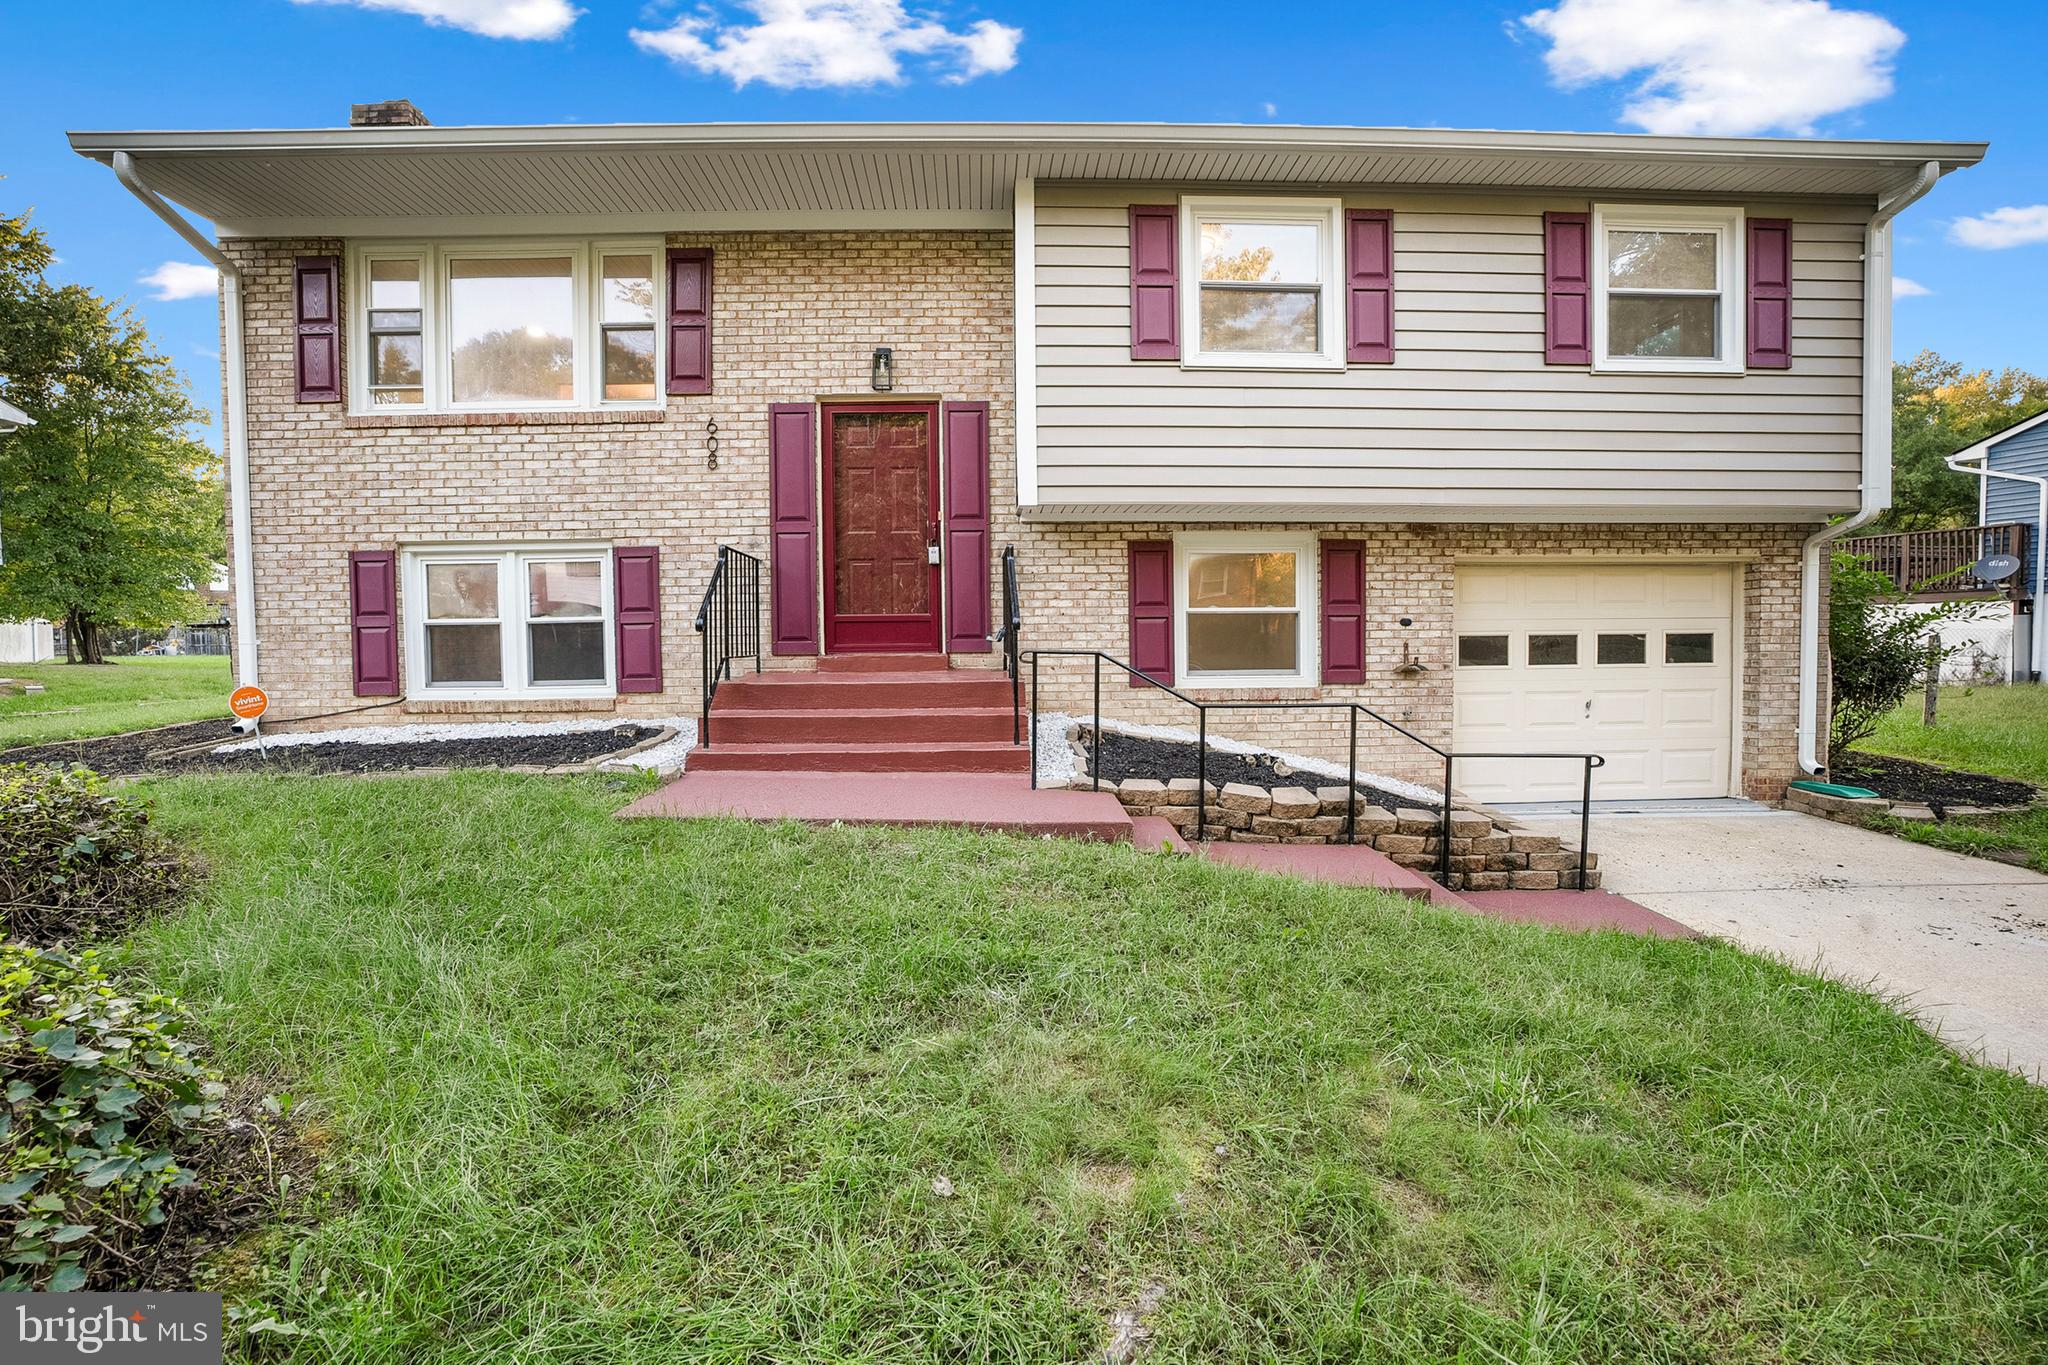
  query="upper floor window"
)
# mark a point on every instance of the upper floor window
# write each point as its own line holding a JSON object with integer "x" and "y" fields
{"x": 1667, "y": 287}
{"x": 497, "y": 327}
{"x": 1266, "y": 283}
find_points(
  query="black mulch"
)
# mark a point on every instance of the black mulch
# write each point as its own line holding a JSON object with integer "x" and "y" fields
{"x": 1901, "y": 779}
{"x": 1135, "y": 756}
{"x": 142, "y": 752}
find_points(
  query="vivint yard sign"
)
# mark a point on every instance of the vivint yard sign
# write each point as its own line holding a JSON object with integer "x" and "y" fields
{"x": 159, "y": 1329}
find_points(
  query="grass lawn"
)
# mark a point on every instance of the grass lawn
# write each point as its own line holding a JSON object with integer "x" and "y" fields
{"x": 603, "y": 1092}
{"x": 1998, "y": 730}
{"x": 128, "y": 694}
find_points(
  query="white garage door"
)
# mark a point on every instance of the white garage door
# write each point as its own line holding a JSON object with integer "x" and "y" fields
{"x": 1631, "y": 662}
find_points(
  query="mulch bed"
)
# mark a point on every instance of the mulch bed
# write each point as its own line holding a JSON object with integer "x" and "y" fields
{"x": 1136, "y": 756}
{"x": 142, "y": 752}
{"x": 1901, "y": 779}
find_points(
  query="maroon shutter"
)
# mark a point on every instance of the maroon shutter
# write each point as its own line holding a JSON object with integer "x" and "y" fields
{"x": 1152, "y": 610}
{"x": 316, "y": 301}
{"x": 373, "y": 621}
{"x": 1567, "y": 289}
{"x": 1770, "y": 293}
{"x": 1343, "y": 611}
{"x": 967, "y": 544}
{"x": 636, "y": 616}
{"x": 1369, "y": 286}
{"x": 1155, "y": 282}
{"x": 792, "y": 530}
{"x": 689, "y": 319}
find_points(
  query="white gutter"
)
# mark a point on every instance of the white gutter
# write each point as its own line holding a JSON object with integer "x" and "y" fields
{"x": 1962, "y": 465}
{"x": 238, "y": 415}
{"x": 1876, "y": 492}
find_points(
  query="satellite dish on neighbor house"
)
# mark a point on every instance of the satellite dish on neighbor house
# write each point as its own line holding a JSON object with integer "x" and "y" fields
{"x": 1995, "y": 568}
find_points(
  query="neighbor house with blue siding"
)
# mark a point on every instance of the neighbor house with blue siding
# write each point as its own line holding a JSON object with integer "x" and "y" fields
{"x": 2012, "y": 470}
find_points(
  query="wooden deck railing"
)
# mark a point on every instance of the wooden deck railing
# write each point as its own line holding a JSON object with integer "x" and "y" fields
{"x": 1914, "y": 560}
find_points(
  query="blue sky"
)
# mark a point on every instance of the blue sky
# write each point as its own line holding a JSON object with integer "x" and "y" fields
{"x": 1978, "y": 245}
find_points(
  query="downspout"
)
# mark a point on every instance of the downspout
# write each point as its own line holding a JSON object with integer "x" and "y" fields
{"x": 238, "y": 414}
{"x": 2039, "y": 483}
{"x": 1875, "y": 494}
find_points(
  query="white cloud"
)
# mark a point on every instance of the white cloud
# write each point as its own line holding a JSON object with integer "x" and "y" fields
{"x": 182, "y": 280}
{"x": 830, "y": 44}
{"x": 1272, "y": 109}
{"x": 1903, "y": 288}
{"x": 1722, "y": 66}
{"x": 2001, "y": 228}
{"x": 491, "y": 18}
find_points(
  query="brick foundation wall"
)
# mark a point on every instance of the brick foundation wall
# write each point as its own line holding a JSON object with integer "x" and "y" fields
{"x": 797, "y": 316}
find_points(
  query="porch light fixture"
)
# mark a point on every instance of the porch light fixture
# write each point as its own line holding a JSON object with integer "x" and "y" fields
{"x": 882, "y": 373}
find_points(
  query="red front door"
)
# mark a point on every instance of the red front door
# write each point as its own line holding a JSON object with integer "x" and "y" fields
{"x": 881, "y": 520}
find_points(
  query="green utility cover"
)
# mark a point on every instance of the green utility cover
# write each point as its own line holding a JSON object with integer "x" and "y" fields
{"x": 1834, "y": 789}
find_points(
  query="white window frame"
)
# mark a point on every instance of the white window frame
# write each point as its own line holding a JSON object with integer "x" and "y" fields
{"x": 513, "y": 643}
{"x": 1327, "y": 215}
{"x": 1732, "y": 315}
{"x": 586, "y": 257}
{"x": 1307, "y": 602}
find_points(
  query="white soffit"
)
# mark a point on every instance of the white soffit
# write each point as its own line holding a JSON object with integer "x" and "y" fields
{"x": 352, "y": 181}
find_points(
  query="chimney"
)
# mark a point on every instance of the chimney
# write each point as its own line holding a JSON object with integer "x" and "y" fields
{"x": 386, "y": 114}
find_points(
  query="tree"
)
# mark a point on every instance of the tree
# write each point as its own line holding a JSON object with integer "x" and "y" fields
{"x": 110, "y": 513}
{"x": 1937, "y": 409}
{"x": 1878, "y": 647}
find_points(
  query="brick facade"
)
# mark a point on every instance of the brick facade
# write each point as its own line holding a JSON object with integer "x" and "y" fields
{"x": 797, "y": 316}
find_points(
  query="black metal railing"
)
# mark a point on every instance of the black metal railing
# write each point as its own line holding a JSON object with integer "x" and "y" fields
{"x": 729, "y": 619}
{"x": 1006, "y": 635}
{"x": 1354, "y": 710}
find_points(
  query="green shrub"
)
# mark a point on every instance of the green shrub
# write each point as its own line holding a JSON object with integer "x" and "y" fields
{"x": 104, "y": 1101}
{"x": 76, "y": 859}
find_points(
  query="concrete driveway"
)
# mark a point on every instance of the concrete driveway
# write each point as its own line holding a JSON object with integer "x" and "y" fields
{"x": 1965, "y": 938}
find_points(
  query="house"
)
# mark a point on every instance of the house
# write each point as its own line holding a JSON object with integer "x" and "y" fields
{"x": 21, "y": 642}
{"x": 2012, "y": 489}
{"x": 1527, "y": 441}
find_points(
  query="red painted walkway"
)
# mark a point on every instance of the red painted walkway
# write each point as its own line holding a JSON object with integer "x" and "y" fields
{"x": 1003, "y": 801}
{"x": 1577, "y": 910}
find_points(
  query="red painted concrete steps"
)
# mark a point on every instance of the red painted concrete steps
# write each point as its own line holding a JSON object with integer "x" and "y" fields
{"x": 875, "y": 713}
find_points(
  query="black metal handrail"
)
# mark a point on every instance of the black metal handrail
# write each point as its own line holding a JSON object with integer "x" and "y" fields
{"x": 729, "y": 619}
{"x": 1006, "y": 635}
{"x": 1355, "y": 709}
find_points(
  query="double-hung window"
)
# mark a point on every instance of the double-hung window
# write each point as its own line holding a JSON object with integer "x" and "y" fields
{"x": 1265, "y": 293}
{"x": 1245, "y": 617}
{"x": 489, "y": 622}
{"x": 1667, "y": 289}
{"x": 498, "y": 327}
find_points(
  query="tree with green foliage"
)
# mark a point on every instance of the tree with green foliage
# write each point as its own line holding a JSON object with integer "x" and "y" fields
{"x": 110, "y": 513}
{"x": 1937, "y": 409}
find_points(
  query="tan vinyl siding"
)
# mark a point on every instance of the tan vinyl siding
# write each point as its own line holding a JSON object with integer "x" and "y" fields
{"x": 1468, "y": 418}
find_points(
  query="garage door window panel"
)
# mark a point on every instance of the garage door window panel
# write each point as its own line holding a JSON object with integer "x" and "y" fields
{"x": 1553, "y": 651}
{"x": 1483, "y": 651}
{"x": 1688, "y": 647}
{"x": 1621, "y": 649}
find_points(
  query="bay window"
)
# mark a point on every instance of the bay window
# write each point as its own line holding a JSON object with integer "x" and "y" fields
{"x": 500, "y": 327}
{"x": 1265, "y": 293}
{"x": 1667, "y": 285}
{"x": 487, "y": 621}
{"x": 1246, "y": 613}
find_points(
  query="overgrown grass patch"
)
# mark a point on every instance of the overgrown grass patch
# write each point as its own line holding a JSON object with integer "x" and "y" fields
{"x": 79, "y": 701}
{"x": 1998, "y": 730}
{"x": 620, "y": 1092}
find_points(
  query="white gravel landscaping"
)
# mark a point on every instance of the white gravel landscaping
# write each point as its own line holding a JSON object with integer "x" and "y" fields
{"x": 667, "y": 757}
{"x": 1058, "y": 764}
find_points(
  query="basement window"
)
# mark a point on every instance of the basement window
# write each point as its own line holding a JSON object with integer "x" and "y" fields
{"x": 1243, "y": 618}
{"x": 485, "y": 622}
